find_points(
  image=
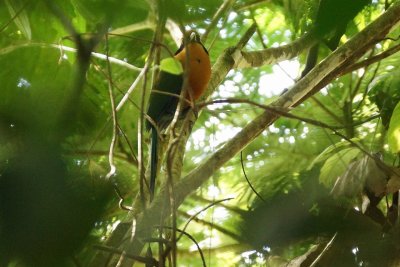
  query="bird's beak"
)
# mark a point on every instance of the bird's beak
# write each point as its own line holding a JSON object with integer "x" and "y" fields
{"x": 194, "y": 37}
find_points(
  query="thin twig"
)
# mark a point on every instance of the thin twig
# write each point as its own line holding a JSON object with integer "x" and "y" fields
{"x": 121, "y": 201}
{"x": 324, "y": 108}
{"x": 217, "y": 34}
{"x": 98, "y": 153}
{"x": 113, "y": 168}
{"x": 132, "y": 87}
{"x": 358, "y": 84}
{"x": 204, "y": 209}
{"x": 151, "y": 42}
{"x": 246, "y": 37}
{"x": 140, "y": 134}
{"x": 114, "y": 60}
{"x": 236, "y": 210}
{"x": 372, "y": 60}
{"x": 131, "y": 150}
{"x": 146, "y": 260}
{"x": 367, "y": 87}
{"x": 193, "y": 240}
{"x": 114, "y": 119}
{"x": 328, "y": 245}
{"x": 258, "y": 31}
{"x": 142, "y": 25}
{"x": 211, "y": 225}
{"x": 247, "y": 179}
{"x": 217, "y": 16}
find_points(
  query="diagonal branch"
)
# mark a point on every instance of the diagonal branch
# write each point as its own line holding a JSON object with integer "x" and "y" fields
{"x": 373, "y": 59}
{"x": 220, "y": 12}
{"x": 226, "y": 62}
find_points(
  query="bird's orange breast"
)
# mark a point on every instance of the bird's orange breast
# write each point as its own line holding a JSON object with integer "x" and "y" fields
{"x": 199, "y": 68}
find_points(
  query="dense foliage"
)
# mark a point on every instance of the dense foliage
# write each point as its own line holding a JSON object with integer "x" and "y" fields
{"x": 321, "y": 181}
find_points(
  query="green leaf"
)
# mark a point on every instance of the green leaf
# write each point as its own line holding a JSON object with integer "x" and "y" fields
{"x": 337, "y": 164}
{"x": 360, "y": 174}
{"x": 331, "y": 150}
{"x": 171, "y": 65}
{"x": 20, "y": 17}
{"x": 394, "y": 130}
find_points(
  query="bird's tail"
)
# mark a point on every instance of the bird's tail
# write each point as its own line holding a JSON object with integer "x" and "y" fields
{"x": 153, "y": 161}
{"x": 312, "y": 59}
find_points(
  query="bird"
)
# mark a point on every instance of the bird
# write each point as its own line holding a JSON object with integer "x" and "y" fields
{"x": 164, "y": 98}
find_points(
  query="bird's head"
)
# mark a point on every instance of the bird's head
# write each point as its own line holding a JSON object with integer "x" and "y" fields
{"x": 190, "y": 37}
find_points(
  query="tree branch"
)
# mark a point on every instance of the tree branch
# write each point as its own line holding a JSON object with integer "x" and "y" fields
{"x": 226, "y": 62}
{"x": 275, "y": 54}
{"x": 372, "y": 60}
{"x": 217, "y": 16}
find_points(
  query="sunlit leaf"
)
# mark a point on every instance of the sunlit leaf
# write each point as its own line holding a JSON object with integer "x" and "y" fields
{"x": 393, "y": 184}
{"x": 20, "y": 17}
{"x": 336, "y": 165}
{"x": 171, "y": 65}
{"x": 360, "y": 174}
{"x": 394, "y": 130}
{"x": 330, "y": 150}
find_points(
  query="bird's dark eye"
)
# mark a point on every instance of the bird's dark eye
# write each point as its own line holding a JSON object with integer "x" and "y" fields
{"x": 198, "y": 60}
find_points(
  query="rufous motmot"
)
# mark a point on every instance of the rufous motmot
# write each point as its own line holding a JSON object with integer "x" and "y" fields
{"x": 164, "y": 97}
